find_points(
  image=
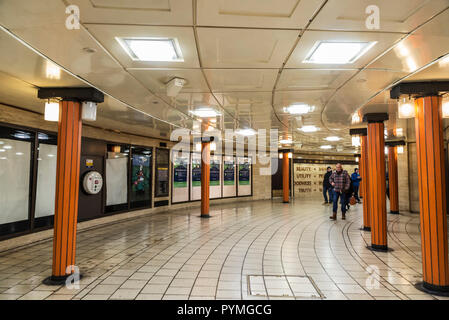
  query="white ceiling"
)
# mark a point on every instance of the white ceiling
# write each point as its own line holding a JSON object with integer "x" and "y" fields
{"x": 243, "y": 57}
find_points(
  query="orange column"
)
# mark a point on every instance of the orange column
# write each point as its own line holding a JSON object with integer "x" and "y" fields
{"x": 67, "y": 187}
{"x": 432, "y": 193}
{"x": 285, "y": 178}
{"x": 365, "y": 184}
{"x": 393, "y": 179}
{"x": 377, "y": 188}
{"x": 361, "y": 164}
{"x": 205, "y": 179}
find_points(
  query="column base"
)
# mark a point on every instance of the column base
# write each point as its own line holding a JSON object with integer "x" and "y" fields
{"x": 205, "y": 216}
{"x": 285, "y": 201}
{"x": 379, "y": 248}
{"x": 394, "y": 212}
{"x": 365, "y": 228}
{"x": 57, "y": 280}
{"x": 442, "y": 291}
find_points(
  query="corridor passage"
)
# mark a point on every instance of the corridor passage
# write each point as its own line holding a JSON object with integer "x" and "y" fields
{"x": 247, "y": 250}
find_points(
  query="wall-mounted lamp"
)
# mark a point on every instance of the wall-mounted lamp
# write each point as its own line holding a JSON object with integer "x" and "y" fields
{"x": 51, "y": 111}
{"x": 445, "y": 107}
{"x": 89, "y": 111}
{"x": 356, "y": 141}
{"x": 406, "y": 108}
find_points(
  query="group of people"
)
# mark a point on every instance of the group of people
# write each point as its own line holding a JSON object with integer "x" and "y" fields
{"x": 337, "y": 184}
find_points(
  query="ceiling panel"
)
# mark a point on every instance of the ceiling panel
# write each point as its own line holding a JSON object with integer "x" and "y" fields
{"x": 395, "y": 16}
{"x": 244, "y": 48}
{"x": 106, "y": 35}
{"x": 306, "y": 79}
{"x": 224, "y": 80}
{"x": 310, "y": 38}
{"x": 256, "y": 13}
{"x": 144, "y": 12}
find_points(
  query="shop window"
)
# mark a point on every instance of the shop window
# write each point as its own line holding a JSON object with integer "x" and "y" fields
{"x": 15, "y": 174}
{"x": 162, "y": 172}
{"x": 117, "y": 178}
{"x": 46, "y": 180}
{"x": 141, "y": 165}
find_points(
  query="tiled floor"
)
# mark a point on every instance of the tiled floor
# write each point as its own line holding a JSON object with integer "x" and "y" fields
{"x": 290, "y": 251}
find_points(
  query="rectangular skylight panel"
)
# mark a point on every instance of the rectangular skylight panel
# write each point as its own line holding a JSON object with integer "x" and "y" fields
{"x": 332, "y": 52}
{"x": 151, "y": 49}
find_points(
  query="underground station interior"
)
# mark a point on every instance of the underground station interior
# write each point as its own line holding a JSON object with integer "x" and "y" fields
{"x": 224, "y": 150}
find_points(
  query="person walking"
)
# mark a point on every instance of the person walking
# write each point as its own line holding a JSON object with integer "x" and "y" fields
{"x": 327, "y": 187}
{"x": 341, "y": 182}
{"x": 355, "y": 178}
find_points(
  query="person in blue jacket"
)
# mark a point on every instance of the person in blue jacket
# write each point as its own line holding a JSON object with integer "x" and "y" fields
{"x": 355, "y": 177}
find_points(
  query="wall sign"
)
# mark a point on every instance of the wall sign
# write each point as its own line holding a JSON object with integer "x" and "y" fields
{"x": 89, "y": 163}
{"x": 180, "y": 172}
{"x": 229, "y": 173}
{"x": 214, "y": 172}
{"x": 308, "y": 178}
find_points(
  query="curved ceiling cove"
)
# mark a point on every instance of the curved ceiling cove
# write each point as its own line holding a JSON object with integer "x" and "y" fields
{"x": 291, "y": 65}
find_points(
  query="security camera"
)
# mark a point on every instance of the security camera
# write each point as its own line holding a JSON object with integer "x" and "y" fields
{"x": 174, "y": 86}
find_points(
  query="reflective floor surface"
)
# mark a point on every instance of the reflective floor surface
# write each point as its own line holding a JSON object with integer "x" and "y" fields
{"x": 247, "y": 250}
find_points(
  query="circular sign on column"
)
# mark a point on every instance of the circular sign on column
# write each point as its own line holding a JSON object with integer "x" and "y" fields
{"x": 92, "y": 182}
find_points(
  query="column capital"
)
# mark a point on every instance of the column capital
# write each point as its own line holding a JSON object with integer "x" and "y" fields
{"x": 358, "y": 132}
{"x": 419, "y": 89}
{"x": 71, "y": 94}
{"x": 375, "y": 117}
{"x": 394, "y": 143}
{"x": 203, "y": 139}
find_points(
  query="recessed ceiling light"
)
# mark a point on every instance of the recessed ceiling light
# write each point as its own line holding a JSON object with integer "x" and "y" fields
{"x": 152, "y": 49}
{"x": 326, "y": 147}
{"x": 333, "y": 138}
{"x": 205, "y": 112}
{"x": 7, "y": 147}
{"x": 309, "y": 129}
{"x": 298, "y": 108}
{"x": 246, "y": 132}
{"x": 338, "y": 52}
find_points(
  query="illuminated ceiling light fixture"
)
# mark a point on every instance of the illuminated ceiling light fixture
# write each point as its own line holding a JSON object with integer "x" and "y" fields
{"x": 246, "y": 132}
{"x": 285, "y": 141}
{"x": 205, "y": 112}
{"x": 309, "y": 129}
{"x": 338, "y": 52}
{"x": 356, "y": 141}
{"x": 333, "y": 138}
{"x": 445, "y": 107}
{"x": 406, "y": 108}
{"x": 152, "y": 49}
{"x": 326, "y": 147}
{"x": 299, "y": 108}
{"x": 51, "y": 111}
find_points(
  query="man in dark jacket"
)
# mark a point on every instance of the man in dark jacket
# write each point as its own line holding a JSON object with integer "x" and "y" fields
{"x": 327, "y": 187}
{"x": 341, "y": 182}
